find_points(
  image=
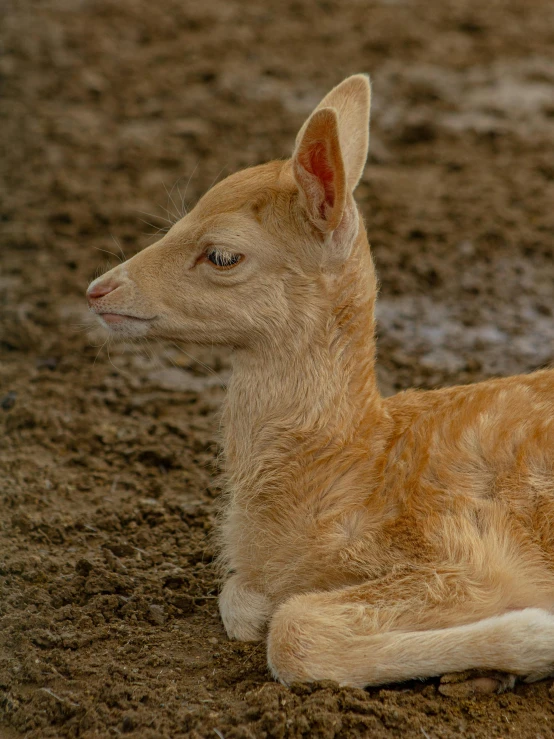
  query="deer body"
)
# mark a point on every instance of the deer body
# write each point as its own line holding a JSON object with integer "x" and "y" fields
{"x": 371, "y": 539}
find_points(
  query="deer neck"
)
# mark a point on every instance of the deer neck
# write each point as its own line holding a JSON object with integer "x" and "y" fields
{"x": 312, "y": 393}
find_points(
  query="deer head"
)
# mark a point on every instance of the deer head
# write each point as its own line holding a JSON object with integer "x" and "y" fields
{"x": 260, "y": 254}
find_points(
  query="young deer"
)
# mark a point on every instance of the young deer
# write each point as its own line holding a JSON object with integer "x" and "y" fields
{"x": 373, "y": 540}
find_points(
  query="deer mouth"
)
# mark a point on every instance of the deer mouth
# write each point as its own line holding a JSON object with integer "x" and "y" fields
{"x": 115, "y": 318}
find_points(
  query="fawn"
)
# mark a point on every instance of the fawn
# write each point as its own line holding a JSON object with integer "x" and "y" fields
{"x": 370, "y": 540}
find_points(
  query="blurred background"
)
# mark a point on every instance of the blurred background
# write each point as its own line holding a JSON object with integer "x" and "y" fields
{"x": 110, "y": 106}
{"x": 116, "y": 115}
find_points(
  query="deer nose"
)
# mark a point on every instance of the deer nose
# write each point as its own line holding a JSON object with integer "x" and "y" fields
{"x": 100, "y": 289}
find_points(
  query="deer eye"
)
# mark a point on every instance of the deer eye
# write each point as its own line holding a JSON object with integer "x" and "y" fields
{"x": 223, "y": 259}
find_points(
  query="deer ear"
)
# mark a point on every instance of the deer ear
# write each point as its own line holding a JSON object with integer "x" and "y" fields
{"x": 319, "y": 169}
{"x": 351, "y": 100}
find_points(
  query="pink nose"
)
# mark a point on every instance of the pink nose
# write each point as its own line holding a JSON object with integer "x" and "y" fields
{"x": 100, "y": 289}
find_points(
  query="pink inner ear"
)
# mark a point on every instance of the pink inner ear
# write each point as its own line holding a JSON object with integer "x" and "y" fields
{"x": 316, "y": 161}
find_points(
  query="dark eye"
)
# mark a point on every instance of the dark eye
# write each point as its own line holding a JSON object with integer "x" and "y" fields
{"x": 223, "y": 259}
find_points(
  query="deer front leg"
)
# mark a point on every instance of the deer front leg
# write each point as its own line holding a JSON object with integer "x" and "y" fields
{"x": 244, "y": 611}
{"x": 359, "y": 638}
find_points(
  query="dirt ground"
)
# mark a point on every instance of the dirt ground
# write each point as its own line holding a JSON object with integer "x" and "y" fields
{"x": 113, "y": 109}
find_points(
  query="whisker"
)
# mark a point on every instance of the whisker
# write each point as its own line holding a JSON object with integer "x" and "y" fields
{"x": 188, "y": 181}
{"x": 218, "y": 176}
{"x": 194, "y": 359}
{"x": 81, "y": 327}
{"x": 183, "y": 206}
{"x": 153, "y": 215}
{"x": 148, "y": 351}
{"x": 173, "y": 218}
{"x": 154, "y": 233}
{"x": 117, "y": 243}
{"x": 176, "y": 184}
{"x": 170, "y": 199}
{"x": 120, "y": 370}
{"x": 107, "y": 251}
{"x": 136, "y": 345}
{"x": 99, "y": 350}
{"x": 152, "y": 225}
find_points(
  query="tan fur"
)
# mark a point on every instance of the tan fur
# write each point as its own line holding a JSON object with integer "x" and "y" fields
{"x": 371, "y": 539}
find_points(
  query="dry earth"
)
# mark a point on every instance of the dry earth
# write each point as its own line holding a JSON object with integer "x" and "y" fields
{"x": 108, "y": 613}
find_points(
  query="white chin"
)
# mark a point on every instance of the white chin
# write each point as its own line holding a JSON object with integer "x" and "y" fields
{"x": 125, "y": 327}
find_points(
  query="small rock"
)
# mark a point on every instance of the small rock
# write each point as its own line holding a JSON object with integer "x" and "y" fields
{"x": 84, "y": 567}
{"x": 93, "y": 81}
{"x": 417, "y": 130}
{"x": 182, "y": 601}
{"x": 128, "y": 724}
{"x": 47, "y": 363}
{"x": 44, "y": 638}
{"x": 176, "y": 579}
{"x": 191, "y": 127}
{"x": 8, "y": 401}
{"x": 157, "y": 614}
{"x": 149, "y": 503}
{"x": 113, "y": 562}
{"x": 23, "y": 522}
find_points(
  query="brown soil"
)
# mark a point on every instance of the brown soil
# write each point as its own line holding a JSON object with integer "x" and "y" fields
{"x": 108, "y": 608}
